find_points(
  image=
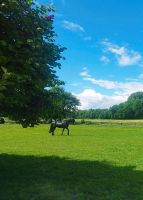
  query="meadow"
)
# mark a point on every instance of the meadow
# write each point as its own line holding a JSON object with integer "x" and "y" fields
{"x": 93, "y": 163}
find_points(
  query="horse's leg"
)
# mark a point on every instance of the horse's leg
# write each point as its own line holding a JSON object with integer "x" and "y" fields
{"x": 63, "y": 131}
{"x": 67, "y": 130}
{"x": 53, "y": 131}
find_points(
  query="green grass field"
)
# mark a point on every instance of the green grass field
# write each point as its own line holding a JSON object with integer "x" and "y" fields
{"x": 131, "y": 122}
{"x": 93, "y": 163}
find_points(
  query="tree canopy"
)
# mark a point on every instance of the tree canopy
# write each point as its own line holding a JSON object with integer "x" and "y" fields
{"x": 29, "y": 56}
{"x": 60, "y": 104}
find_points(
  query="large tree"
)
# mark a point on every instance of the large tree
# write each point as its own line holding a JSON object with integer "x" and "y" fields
{"x": 28, "y": 58}
{"x": 60, "y": 104}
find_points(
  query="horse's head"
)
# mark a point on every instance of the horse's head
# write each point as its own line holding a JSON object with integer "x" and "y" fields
{"x": 52, "y": 127}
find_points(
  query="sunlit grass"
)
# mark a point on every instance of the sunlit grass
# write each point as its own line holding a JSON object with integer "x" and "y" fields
{"x": 94, "y": 162}
{"x": 113, "y": 121}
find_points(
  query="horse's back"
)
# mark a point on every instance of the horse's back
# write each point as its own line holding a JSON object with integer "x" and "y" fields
{"x": 63, "y": 124}
{"x": 59, "y": 125}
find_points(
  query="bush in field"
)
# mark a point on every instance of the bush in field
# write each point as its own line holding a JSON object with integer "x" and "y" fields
{"x": 82, "y": 121}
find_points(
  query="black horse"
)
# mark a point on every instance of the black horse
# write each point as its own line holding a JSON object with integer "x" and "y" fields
{"x": 64, "y": 125}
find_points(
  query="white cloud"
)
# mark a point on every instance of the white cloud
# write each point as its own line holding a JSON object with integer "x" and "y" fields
{"x": 89, "y": 98}
{"x": 104, "y": 59}
{"x": 140, "y": 76}
{"x": 120, "y": 88}
{"x": 132, "y": 59}
{"x": 84, "y": 74}
{"x": 72, "y": 26}
{"x": 124, "y": 56}
{"x": 102, "y": 83}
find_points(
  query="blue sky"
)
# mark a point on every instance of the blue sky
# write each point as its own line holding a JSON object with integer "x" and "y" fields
{"x": 104, "y": 56}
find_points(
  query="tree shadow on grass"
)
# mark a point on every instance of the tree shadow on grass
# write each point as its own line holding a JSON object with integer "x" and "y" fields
{"x": 54, "y": 178}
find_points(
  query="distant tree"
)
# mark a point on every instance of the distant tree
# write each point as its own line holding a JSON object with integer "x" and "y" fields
{"x": 138, "y": 108}
{"x": 134, "y": 106}
{"x": 28, "y": 58}
{"x": 136, "y": 95}
{"x": 105, "y": 114}
{"x": 60, "y": 104}
{"x": 131, "y": 109}
{"x": 120, "y": 113}
{"x": 113, "y": 111}
{"x": 128, "y": 110}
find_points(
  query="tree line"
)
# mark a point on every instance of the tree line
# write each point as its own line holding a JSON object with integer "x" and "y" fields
{"x": 131, "y": 109}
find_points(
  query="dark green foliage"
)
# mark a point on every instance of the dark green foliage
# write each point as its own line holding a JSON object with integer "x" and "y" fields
{"x": 82, "y": 121}
{"x": 2, "y": 121}
{"x": 135, "y": 96}
{"x": 60, "y": 104}
{"x": 28, "y": 58}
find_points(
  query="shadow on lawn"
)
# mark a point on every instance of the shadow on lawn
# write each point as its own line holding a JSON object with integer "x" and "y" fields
{"x": 54, "y": 178}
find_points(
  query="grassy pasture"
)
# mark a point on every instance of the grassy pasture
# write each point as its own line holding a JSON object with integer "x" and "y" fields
{"x": 131, "y": 122}
{"x": 93, "y": 163}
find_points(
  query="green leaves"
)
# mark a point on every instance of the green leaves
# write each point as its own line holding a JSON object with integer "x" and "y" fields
{"x": 29, "y": 41}
{"x": 30, "y": 1}
{"x": 3, "y": 43}
{"x": 28, "y": 58}
{"x": 63, "y": 104}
